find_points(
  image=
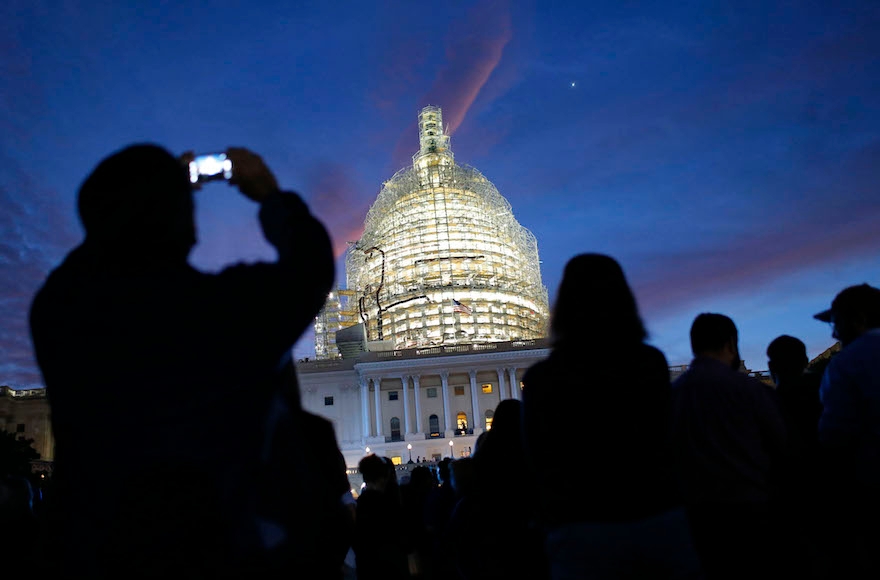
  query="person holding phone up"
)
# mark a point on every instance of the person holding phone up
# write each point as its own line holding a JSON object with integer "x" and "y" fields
{"x": 160, "y": 376}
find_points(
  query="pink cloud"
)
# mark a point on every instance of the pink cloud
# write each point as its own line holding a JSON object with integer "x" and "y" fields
{"x": 334, "y": 199}
{"x": 474, "y": 48}
{"x": 761, "y": 258}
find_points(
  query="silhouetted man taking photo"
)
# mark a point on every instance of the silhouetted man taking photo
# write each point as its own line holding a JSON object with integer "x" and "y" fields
{"x": 160, "y": 376}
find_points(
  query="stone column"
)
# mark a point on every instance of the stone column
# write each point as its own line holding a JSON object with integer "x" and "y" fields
{"x": 365, "y": 407}
{"x": 475, "y": 404}
{"x": 501, "y": 386}
{"x": 444, "y": 382}
{"x": 377, "y": 398}
{"x": 404, "y": 380}
{"x": 417, "y": 398}
{"x": 515, "y": 391}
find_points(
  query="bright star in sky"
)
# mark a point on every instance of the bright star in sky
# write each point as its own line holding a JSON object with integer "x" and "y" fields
{"x": 572, "y": 84}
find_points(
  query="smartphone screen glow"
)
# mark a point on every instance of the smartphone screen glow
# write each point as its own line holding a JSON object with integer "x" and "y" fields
{"x": 210, "y": 166}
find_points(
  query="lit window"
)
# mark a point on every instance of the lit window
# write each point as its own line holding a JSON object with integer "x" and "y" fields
{"x": 328, "y": 401}
{"x": 459, "y": 391}
{"x": 487, "y": 388}
{"x": 392, "y": 395}
{"x": 395, "y": 459}
{"x": 432, "y": 392}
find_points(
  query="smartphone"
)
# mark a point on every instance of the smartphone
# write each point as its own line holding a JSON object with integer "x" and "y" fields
{"x": 210, "y": 167}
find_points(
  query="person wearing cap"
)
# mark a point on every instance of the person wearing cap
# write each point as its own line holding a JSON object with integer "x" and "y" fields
{"x": 160, "y": 377}
{"x": 849, "y": 427}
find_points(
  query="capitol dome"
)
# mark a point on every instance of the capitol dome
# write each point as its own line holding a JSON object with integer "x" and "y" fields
{"x": 442, "y": 260}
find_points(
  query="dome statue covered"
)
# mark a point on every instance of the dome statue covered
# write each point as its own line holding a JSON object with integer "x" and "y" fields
{"x": 442, "y": 260}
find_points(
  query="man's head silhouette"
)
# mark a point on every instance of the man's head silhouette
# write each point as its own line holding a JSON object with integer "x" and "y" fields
{"x": 854, "y": 311}
{"x": 138, "y": 202}
{"x": 786, "y": 358}
{"x": 715, "y": 336}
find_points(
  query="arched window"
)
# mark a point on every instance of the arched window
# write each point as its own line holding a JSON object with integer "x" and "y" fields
{"x": 395, "y": 429}
{"x": 490, "y": 414}
{"x": 461, "y": 423}
{"x": 434, "y": 425}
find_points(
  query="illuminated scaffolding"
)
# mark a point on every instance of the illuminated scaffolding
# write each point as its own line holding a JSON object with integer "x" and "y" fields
{"x": 442, "y": 259}
{"x": 340, "y": 311}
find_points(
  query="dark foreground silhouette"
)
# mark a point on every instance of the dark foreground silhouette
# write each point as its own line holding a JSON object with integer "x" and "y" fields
{"x": 160, "y": 377}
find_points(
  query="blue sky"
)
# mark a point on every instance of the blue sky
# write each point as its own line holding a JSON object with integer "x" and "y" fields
{"x": 726, "y": 153}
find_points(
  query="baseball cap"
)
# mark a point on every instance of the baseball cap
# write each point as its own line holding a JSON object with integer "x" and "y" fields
{"x": 862, "y": 298}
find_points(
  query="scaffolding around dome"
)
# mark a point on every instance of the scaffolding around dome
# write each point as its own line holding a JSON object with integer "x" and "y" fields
{"x": 442, "y": 260}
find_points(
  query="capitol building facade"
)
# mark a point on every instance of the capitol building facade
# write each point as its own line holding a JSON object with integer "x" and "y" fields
{"x": 416, "y": 403}
{"x": 443, "y": 311}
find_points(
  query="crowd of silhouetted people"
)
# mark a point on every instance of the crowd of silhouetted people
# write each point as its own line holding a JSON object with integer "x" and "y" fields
{"x": 182, "y": 447}
{"x": 607, "y": 470}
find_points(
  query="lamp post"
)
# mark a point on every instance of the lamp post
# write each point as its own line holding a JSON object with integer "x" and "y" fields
{"x": 368, "y": 450}
{"x": 450, "y": 449}
{"x": 409, "y": 446}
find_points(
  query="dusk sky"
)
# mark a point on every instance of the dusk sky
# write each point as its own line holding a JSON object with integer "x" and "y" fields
{"x": 726, "y": 153}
